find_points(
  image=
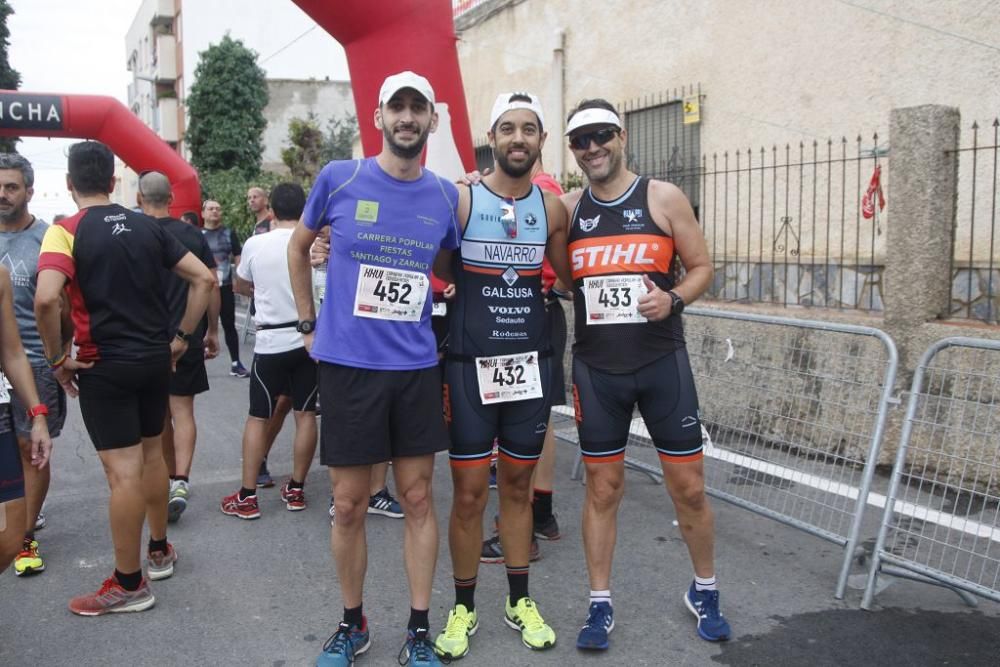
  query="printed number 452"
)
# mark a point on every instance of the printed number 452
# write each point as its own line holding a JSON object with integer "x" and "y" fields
{"x": 393, "y": 292}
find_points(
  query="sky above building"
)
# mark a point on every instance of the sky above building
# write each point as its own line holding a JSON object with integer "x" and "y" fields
{"x": 70, "y": 47}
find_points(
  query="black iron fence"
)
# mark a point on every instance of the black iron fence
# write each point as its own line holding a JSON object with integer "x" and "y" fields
{"x": 975, "y": 268}
{"x": 797, "y": 225}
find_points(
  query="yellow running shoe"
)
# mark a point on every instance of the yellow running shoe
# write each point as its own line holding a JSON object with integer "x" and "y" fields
{"x": 453, "y": 642}
{"x": 524, "y": 616}
{"x": 28, "y": 560}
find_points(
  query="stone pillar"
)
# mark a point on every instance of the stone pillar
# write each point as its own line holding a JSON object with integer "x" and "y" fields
{"x": 923, "y": 189}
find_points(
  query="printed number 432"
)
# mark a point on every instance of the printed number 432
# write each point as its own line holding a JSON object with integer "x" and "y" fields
{"x": 509, "y": 375}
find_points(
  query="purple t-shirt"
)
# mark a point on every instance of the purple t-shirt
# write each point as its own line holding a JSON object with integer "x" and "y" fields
{"x": 385, "y": 232}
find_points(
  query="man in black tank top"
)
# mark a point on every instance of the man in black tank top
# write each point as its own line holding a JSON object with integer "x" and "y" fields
{"x": 498, "y": 366}
{"x": 629, "y": 350}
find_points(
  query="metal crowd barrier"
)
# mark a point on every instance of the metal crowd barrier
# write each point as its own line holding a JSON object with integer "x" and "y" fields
{"x": 942, "y": 517}
{"x": 794, "y": 412}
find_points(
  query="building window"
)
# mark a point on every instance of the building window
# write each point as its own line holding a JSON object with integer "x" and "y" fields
{"x": 661, "y": 146}
{"x": 484, "y": 157}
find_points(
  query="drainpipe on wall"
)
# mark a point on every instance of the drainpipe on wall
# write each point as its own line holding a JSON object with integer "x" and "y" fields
{"x": 557, "y": 95}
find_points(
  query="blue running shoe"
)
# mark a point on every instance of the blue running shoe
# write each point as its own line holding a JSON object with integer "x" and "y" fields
{"x": 705, "y": 605}
{"x": 600, "y": 622}
{"x": 346, "y": 644}
{"x": 418, "y": 651}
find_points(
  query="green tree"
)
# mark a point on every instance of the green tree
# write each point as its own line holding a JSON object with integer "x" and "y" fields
{"x": 226, "y": 109}
{"x": 311, "y": 148}
{"x": 229, "y": 188}
{"x": 10, "y": 78}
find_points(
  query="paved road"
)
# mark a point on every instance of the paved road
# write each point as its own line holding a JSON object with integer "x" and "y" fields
{"x": 265, "y": 593}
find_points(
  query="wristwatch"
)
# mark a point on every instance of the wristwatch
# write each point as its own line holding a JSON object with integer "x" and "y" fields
{"x": 677, "y": 303}
{"x": 182, "y": 335}
{"x": 306, "y": 326}
{"x": 40, "y": 409}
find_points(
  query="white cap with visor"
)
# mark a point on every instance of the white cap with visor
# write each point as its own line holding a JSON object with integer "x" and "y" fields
{"x": 593, "y": 116}
{"x": 509, "y": 101}
{"x": 397, "y": 82}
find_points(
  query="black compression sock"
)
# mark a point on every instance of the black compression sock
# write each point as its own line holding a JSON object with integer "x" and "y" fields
{"x": 129, "y": 582}
{"x": 158, "y": 545}
{"x": 541, "y": 507}
{"x": 419, "y": 619}
{"x": 246, "y": 493}
{"x": 517, "y": 579}
{"x": 292, "y": 484}
{"x": 465, "y": 593}
{"x": 354, "y": 617}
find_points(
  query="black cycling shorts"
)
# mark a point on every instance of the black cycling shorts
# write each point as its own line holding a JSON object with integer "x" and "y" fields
{"x": 122, "y": 403}
{"x": 371, "y": 416}
{"x": 519, "y": 426}
{"x": 291, "y": 373}
{"x": 665, "y": 393}
{"x": 190, "y": 378}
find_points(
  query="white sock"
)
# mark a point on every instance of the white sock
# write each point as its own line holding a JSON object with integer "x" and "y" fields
{"x": 705, "y": 584}
{"x": 600, "y": 596}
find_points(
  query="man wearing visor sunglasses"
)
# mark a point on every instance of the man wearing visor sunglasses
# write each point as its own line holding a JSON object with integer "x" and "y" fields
{"x": 625, "y": 233}
{"x": 498, "y": 373}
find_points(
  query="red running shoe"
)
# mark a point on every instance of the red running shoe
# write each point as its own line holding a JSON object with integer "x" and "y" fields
{"x": 295, "y": 499}
{"x": 111, "y": 598}
{"x": 244, "y": 509}
{"x": 160, "y": 565}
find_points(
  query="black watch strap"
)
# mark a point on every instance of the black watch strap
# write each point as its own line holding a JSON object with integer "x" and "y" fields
{"x": 677, "y": 303}
{"x": 306, "y": 326}
{"x": 182, "y": 335}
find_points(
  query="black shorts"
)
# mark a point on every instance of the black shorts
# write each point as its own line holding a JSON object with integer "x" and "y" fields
{"x": 557, "y": 331}
{"x": 371, "y": 416}
{"x": 519, "y": 426}
{"x": 11, "y": 473}
{"x": 51, "y": 393}
{"x": 668, "y": 403}
{"x": 190, "y": 378}
{"x": 291, "y": 373}
{"x": 122, "y": 403}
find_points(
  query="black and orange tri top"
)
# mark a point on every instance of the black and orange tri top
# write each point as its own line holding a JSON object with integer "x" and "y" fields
{"x": 112, "y": 258}
{"x": 612, "y": 244}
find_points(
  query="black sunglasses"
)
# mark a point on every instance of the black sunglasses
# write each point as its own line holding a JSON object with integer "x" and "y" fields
{"x": 581, "y": 142}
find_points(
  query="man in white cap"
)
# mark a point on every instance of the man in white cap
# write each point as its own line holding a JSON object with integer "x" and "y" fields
{"x": 625, "y": 232}
{"x": 498, "y": 370}
{"x": 378, "y": 364}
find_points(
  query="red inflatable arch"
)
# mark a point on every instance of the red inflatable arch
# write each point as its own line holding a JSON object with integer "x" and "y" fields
{"x": 383, "y": 38}
{"x": 107, "y": 120}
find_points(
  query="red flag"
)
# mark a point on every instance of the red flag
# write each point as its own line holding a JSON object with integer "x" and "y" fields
{"x": 868, "y": 198}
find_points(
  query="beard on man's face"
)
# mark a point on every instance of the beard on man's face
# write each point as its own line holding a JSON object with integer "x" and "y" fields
{"x": 403, "y": 151}
{"x": 513, "y": 170}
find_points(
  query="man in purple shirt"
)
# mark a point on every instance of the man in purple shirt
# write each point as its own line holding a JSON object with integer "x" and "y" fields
{"x": 378, "y": 363}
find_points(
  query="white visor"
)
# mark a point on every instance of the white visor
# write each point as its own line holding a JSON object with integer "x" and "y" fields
{"x": 596, "y": 116}
{"x": 503, "y": 104}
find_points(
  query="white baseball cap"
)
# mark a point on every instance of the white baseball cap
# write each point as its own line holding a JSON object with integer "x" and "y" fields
{"x": 593, "y": 116}
{"x": 504, "y": 103}
{"x": 397, "y": 82}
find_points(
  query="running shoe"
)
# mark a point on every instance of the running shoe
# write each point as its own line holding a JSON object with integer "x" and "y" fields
{"x": 40, "y": 519}
{"x": 331, "y": 509}
{"x": 111, "y": 598}
{"x": 600, "y": 622}
{"x": 179, "y": 493}
{"x": 238, "y": 370}
{"x": 705, "y": 606}
{"x": 264, "y": 479}
{"x": 244, "y": 509}
{"x": 453, "y": 642}
{"x": 347, "y": 643}
{"x": 547, "y": 529}
{"x": 28, "y": 560}
{"x": 493, "y": 551}
{"x": 160, "y": 565}
{"x": 524, "y": 617}
{"x": 295, "y": 499}
{"x": 417, "y": 651}
{"x": 383, "y": 503}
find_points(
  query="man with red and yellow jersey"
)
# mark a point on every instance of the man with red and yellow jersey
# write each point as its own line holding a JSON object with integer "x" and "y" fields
{"x": 625, "y": 231}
